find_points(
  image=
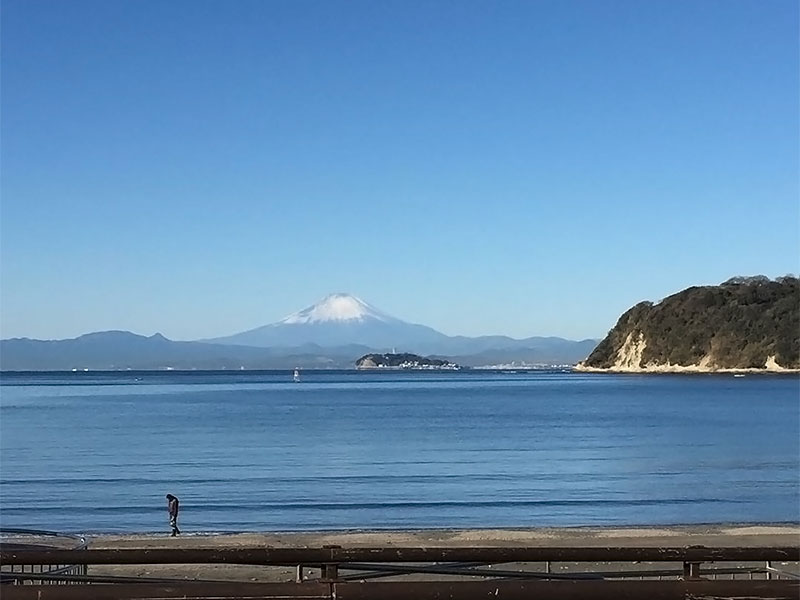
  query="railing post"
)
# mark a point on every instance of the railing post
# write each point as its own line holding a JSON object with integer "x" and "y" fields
{"x": 691, "y": 570}
{"x": 330, "y": 571}
{"x": 299, "y": 574}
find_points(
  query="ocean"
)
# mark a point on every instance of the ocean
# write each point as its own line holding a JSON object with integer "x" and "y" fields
{"x": 96, "y": 452}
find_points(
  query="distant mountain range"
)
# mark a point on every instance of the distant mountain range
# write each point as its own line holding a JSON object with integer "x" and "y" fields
{"x": 340, "y": 319}
{"x": 112, "y": 350}
{"x": 330, "y": 334}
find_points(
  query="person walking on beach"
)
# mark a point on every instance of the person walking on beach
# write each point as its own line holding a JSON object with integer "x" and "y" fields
{"x": 172, "y": 505}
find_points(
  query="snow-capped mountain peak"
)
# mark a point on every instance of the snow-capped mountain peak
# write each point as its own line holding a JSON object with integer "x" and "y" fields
{"x": 336, "y": 307}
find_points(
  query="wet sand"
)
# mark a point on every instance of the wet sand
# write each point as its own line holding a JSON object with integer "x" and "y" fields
{"x": 710, "y": 535}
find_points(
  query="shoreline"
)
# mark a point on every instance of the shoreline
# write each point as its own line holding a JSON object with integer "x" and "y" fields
{"x": 578, "y": 367}
{"x": 683, "y": 370}
{"x": 711, "y": 534}
{"x": 743, "y": 535}
{"x": 687, "y": 528}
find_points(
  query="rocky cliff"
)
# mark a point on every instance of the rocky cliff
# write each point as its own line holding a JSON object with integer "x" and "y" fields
{"x": 745, "y": 323}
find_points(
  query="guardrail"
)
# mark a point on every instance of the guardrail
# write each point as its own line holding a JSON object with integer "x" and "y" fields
{"x": 339, "y": 554}
{"x": 688, "y": 580}
{"x": 37, "y": 540}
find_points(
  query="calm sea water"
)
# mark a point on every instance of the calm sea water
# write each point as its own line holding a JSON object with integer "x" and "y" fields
{"x": 97, "y": 452}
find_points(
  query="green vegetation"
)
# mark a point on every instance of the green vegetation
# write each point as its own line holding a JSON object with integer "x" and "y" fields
{"x": 738, "y": 324}
{"x": 402, "y": 361}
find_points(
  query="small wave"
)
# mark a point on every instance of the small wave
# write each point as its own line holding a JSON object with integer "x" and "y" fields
{"x": 349, "y": 506}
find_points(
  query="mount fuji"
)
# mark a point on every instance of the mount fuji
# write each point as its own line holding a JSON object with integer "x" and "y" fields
{"x": 338, "y": 320}
{"x": 330, "y": 334}
{"x": 344, "y": 320}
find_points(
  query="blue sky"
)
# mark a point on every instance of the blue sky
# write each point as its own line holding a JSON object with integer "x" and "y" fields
{"x": 525, "y": 168}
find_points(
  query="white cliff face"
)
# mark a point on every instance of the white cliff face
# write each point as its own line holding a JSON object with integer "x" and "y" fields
{"x": 629, "y": 360}
{"x": 629, "y": 357}
{"x": 772, "y": 365}
{"x": 337, "y": 307}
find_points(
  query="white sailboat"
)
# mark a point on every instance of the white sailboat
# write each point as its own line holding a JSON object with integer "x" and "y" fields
{"x": 296, "y": 376}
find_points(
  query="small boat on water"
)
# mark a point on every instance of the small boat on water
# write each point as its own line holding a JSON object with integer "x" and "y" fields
{"x": 296, "y": 376}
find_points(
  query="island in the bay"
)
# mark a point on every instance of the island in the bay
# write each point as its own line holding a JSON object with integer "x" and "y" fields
{"x": 403, "y": 361}
{"x": 744, "y": 324}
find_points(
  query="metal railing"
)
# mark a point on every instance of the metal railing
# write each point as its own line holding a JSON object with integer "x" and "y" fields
{"x": 38, "y": 540}
{"x": 345, "y": 572}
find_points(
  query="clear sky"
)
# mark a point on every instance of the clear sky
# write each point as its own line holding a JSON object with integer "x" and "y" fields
{"x": 530, "y": 167}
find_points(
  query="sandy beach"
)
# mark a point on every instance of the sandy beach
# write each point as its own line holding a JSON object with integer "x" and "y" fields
{"x": 677, "y": 536}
